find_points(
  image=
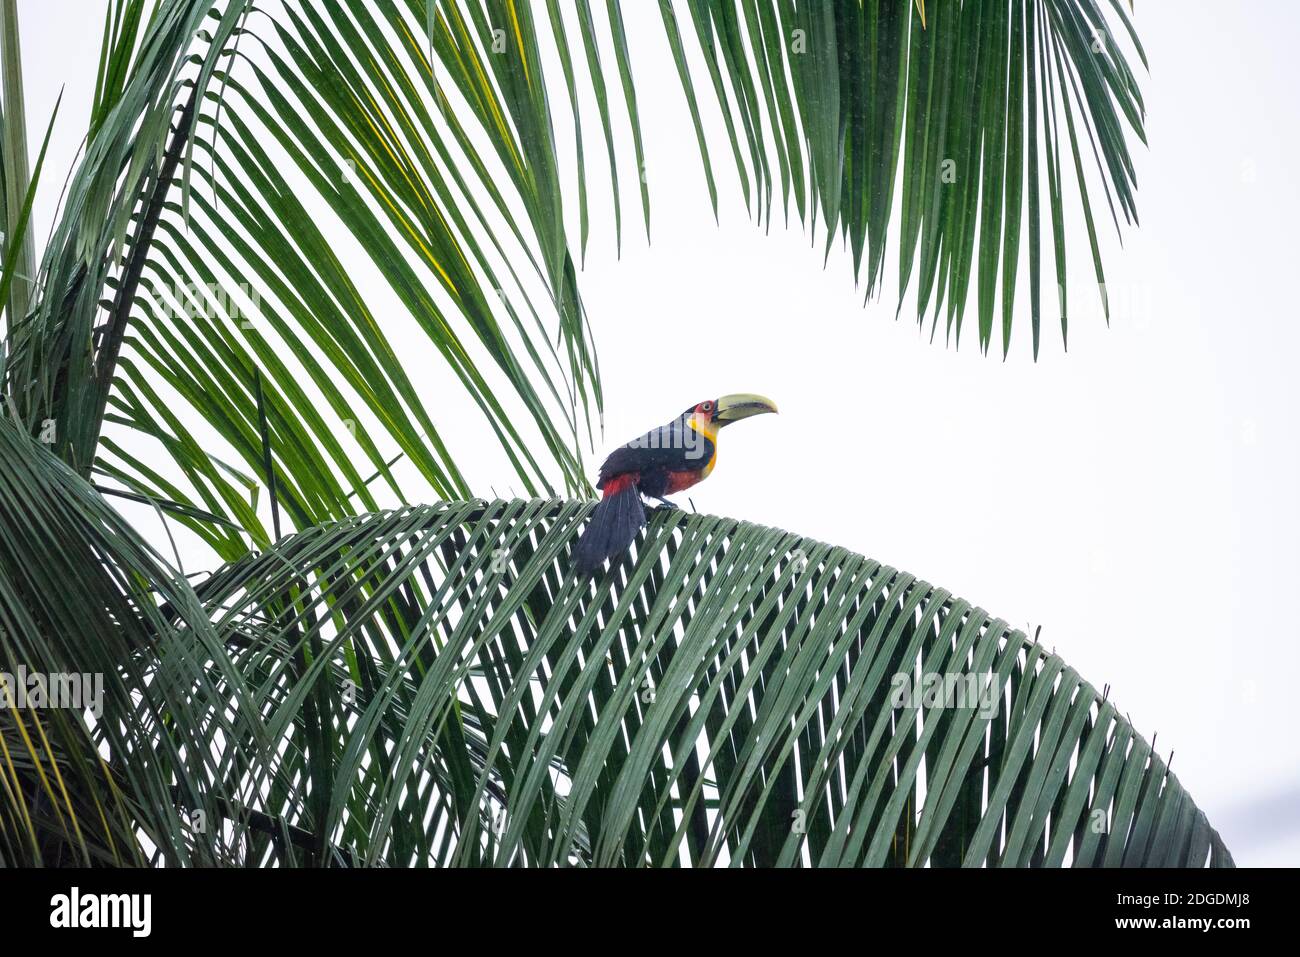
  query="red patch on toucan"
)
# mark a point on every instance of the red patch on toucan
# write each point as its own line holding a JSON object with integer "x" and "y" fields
{"x": 680, "y": 481}
{"x": 620, "y": 482}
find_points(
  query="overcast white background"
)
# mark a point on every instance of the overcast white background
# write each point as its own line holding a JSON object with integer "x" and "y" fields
{"x": 1136, "y": 497}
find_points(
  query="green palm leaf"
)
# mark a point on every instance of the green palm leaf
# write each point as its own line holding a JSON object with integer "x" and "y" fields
{"x": 63, "y": 354}
{"x": 139, "y": 772}
{"x": 725, "y": 697}
{"x": 332, "y": 122}
{"x": 869, "y": 105}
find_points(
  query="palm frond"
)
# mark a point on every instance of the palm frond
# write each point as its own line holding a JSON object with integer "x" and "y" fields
{"x": 64, "y": 354}
{"x": 332, "y": 127}
{"x": 15, "y": 178}
{"x": 728, "y": 695}
{"x": 14, "y": 258}
{"x": 133, "y": 766}
{"x": 864, "y": 107}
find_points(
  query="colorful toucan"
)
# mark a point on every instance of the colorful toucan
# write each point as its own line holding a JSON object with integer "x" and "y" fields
{"x": 665, "y": 460}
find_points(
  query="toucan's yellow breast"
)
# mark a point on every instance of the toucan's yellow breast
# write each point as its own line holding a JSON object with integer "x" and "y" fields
{"x": 708, "y": 466}
{"x": 708, "y": 430}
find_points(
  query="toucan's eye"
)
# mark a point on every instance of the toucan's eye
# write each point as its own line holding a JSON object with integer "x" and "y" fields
{"x": 707, "y": 406}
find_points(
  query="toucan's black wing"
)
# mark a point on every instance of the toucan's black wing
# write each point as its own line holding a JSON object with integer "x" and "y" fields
{"x": 672, "y": 447}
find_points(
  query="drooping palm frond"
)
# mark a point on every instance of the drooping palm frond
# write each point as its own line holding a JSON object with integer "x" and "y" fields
{"x": 326, "y": 129}
{"x": 733, "y": 694}
{"x": 958, "y": 114}
{"x": 115, "y": 745}
{"x": 166, "y": 744}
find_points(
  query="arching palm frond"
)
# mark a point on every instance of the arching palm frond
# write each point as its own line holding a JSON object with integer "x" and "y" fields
{"x": 730, "y": 694}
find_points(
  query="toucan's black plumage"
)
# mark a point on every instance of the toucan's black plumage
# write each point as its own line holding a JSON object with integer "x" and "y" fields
{"x": 614, "y": 523}
{"x": 665, "y": 460}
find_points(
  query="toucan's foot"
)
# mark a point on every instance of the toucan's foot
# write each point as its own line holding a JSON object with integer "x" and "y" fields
{"x": 664, "y": 503}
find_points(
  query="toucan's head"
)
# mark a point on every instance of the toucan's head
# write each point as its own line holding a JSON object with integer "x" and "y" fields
{"x": 715, "y": 413}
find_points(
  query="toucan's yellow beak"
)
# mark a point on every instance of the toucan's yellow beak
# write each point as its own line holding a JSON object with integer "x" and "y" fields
{"x": 733, "y": 408}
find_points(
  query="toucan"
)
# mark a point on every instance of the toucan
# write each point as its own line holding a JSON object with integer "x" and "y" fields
{"x": 665, "y": 460}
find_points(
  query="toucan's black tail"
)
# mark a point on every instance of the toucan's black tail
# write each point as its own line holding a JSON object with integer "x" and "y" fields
{"x": 617, "y": 519}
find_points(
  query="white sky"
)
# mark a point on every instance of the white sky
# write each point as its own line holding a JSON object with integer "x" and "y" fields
{"x": 1136, "y": 497}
